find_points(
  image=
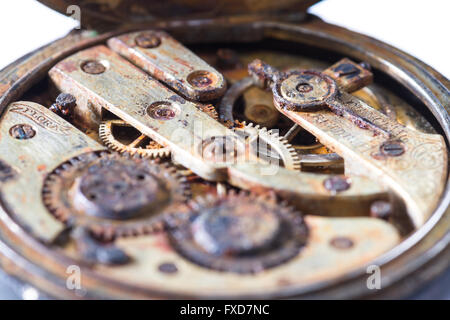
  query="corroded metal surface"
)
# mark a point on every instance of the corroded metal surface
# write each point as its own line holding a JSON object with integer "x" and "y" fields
{"x": 114, "y": 132}
{"x": 173, "y": 64}
{"x": 198, "y": 135}
{"x": 412, "y": 163}
{"x": 252, "y": 236}
{"x": 111, "y": 195}
{"x": 46, "y": 269}
{"x": 22, "y": 192}
{"x": 316, "y": 262}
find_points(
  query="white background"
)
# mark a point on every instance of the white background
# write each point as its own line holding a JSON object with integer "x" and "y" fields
{"x": 418, "y": 27}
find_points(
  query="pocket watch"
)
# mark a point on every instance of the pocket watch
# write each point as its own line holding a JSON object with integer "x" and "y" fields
{"x": 227, "y": 149}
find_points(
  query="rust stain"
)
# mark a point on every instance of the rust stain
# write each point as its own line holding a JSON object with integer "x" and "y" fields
{"x": 68, "y": 66}
{"x": 162, "y": 243}
{"x": 183, "y": 62}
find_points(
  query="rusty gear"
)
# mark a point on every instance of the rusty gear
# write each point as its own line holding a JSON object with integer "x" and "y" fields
{"x": 142, "y": 145}
{"x": 209, "y": 109}
{"x": 257, "y": 234}
{"x": 269, "y": 145}
{"x": 113, "y": 196}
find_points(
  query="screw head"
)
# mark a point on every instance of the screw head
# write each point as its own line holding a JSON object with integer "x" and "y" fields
{"x": 93, "y": 67}
{"x": 168, "y": 267}
{"x": 304, "y": 87}
{"x": 201, "y": 79}
{"x": 147, "y": 40}
{"x": 66, "y": 100}
{"x": 304, "y": 90}
{"x": 22, "y": 131}
{"x": 392, "y": 148}
{"x": 337, "y": 184}
{"x": 341, "y": 243}
{"x": 162, "y": 110}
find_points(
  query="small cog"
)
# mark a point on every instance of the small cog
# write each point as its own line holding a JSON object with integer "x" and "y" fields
{"x": 237, "y": 232}
{"x": 120, "y": 136}
{"x": 209, "y": 109}
{"x": 270, "y": 146}
{"x": 113, "y": 195}
{"x": 114, "y": 133}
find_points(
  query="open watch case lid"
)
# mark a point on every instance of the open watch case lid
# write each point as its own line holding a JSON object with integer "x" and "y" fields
{"x": 99, "y": 13}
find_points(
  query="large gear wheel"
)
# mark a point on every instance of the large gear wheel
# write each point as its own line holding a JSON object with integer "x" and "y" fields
{"x": 112, "y": 195}
{"x": 270, "y": 146}
{"x": 258, "y": 234}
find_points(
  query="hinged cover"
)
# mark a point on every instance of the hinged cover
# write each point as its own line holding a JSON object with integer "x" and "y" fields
{"x": 95, "y": 13}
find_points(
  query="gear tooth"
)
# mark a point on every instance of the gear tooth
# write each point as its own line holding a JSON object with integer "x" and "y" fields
{"x": 136, "y": 155}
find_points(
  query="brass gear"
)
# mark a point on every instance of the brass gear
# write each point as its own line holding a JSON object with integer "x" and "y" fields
{"x": 142, "y": 145}
{"x": 113, "y": 195}
{"x": 209, "y": 109}
{"x": 257, "y": 234}
{"x": 277, "y": 146}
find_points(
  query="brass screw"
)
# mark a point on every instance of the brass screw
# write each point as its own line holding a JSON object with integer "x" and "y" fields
{"x": 22, "y": 131}
{"x": 147, "y": 40}
{"x": 392, "y": 148}
{"x": 200, "y": 79}
{"x": 93, "y": 67}
{"x": 162, "y": 110}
